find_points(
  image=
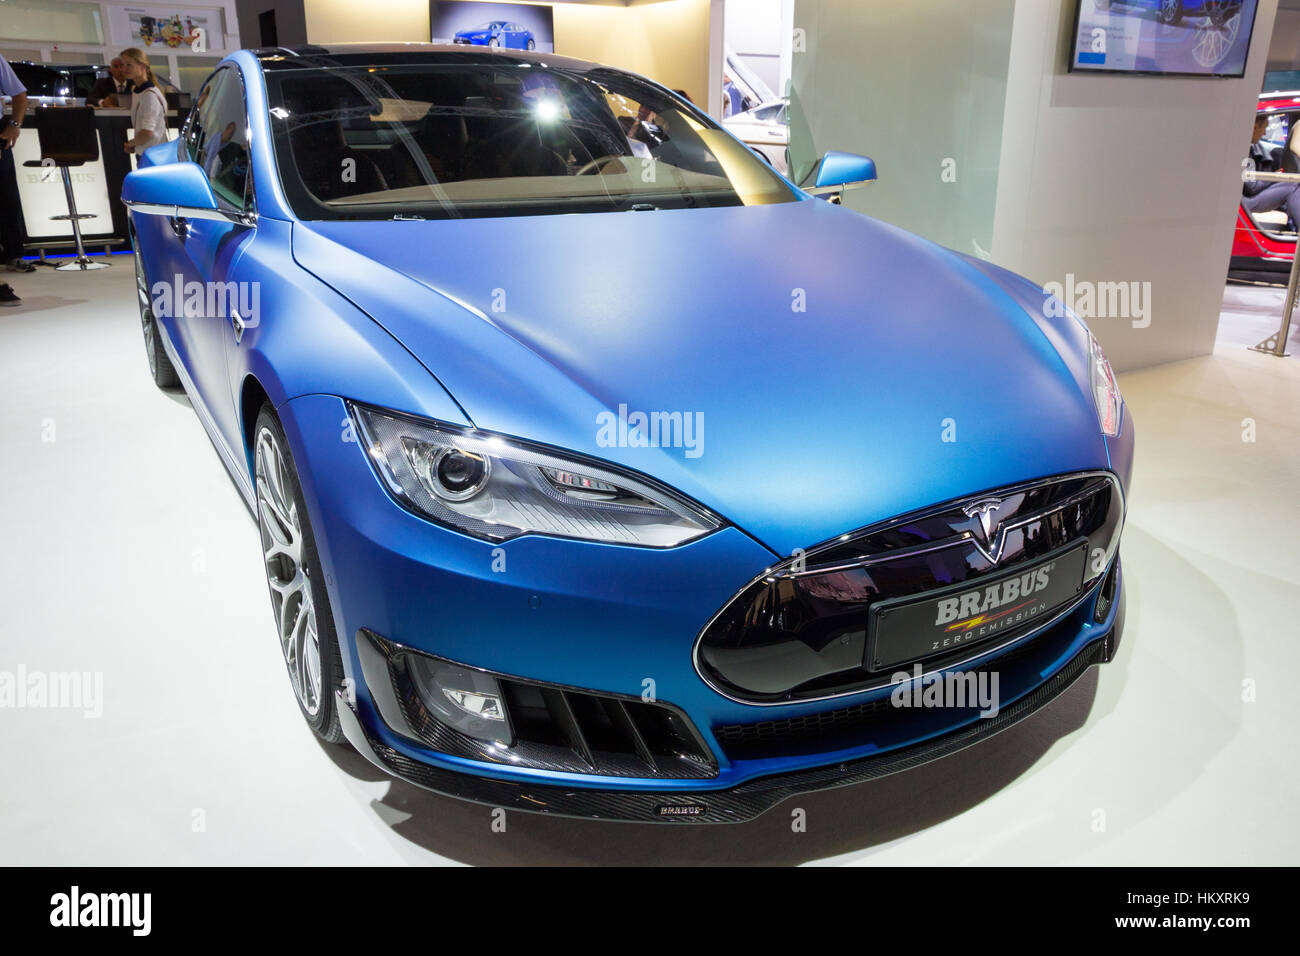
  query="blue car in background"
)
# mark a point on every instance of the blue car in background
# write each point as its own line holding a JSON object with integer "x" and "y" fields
{"x": 498, "y": 33}
{"x": 1172, "y": 12}
{"x": 554, "y": 520}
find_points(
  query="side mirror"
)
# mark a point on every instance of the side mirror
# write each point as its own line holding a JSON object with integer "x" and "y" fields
{"x": 178, "y": 190}
{"x": 836, "y": 172}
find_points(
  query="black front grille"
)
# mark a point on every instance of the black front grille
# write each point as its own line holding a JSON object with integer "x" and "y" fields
{"x": 555, "y": 728}
{"x": 800, "y": 631}
{"x": 806, "y": 725}
{"x": 851, "y": 726}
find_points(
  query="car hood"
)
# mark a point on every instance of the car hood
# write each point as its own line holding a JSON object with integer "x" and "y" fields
{"x": 841, "y": 371}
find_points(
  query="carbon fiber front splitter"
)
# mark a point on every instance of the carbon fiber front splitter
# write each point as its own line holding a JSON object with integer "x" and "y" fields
{"x": 738, "y": 804}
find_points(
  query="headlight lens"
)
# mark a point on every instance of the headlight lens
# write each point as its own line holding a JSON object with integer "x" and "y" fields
{"x": 496, "y": 489}
{"x": 1105, "y": 392}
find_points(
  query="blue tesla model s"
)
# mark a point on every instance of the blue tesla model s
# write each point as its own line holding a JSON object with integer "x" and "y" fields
{"x": 498, "y": 33}
{"x": 555, "y": 520}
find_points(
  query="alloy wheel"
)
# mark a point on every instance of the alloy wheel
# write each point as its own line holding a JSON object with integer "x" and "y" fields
{"x": 1213, "y": 40}
{"x": 146, "y": 313}
{"x": 278, "y": 518}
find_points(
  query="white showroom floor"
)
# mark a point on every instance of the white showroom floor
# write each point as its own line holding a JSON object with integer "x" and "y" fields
{"x": 124, "y": 549}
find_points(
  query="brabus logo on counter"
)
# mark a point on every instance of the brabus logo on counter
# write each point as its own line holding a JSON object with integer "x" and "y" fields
{"x": 681, "y": 810}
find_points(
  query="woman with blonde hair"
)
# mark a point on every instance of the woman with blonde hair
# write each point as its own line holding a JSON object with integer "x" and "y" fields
{"x": 148, "y": 105}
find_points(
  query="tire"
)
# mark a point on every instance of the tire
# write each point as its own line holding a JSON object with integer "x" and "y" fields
{"x": 1220, "y": 11}
{"x": 299, "y": 600}
{"x": 160, "y": 366}
{"x": 494, "y": 43}
{"x": 532, "y": 45}
{"x": 1171, "y": 12}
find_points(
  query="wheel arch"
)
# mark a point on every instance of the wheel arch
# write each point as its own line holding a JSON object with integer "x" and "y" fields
{"x": 252, "y": 396}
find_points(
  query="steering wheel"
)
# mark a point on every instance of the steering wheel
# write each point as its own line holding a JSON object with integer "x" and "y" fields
{"x": 595, "y": 165}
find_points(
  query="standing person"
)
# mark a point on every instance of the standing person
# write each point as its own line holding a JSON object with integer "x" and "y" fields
{"x": 114, "y": 89}
{"x": 11, "y": 237}
{"x": 732, "y": 99}
{"x": 148, "y": 106}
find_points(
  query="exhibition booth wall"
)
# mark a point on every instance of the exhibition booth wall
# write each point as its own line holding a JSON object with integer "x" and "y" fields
{"x": 673, "y": 41}
{"x": 989, "y": 145}
{"x": 932, "y": 121}
{"x": 1284, "y": 47}
{"x": 1128, "y": 179}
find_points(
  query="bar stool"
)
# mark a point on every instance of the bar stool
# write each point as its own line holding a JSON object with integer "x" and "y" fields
{"x": 68, "y": 137}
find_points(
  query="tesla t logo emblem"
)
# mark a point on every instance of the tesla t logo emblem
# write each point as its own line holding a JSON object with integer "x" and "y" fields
{"x": 988, "y": 535}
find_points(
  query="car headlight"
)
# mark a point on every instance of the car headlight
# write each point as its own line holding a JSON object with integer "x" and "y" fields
{"x": 1105, "y": 392}
{"x": 495, "y": 489}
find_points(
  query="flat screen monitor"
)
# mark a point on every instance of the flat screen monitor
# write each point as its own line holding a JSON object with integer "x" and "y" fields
{"x": 1169, "y": 37}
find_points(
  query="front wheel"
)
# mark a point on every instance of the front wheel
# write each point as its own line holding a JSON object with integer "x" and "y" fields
{"x": 294, "y": 577}
{"x": 1171, "y": 11}
{"x": 494, "y": 43}
{"x": 532, "y": 45}
{"x": 160, "y": 366}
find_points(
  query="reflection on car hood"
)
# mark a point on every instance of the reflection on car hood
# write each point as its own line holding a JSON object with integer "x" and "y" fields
{"x": 844, "y": 371}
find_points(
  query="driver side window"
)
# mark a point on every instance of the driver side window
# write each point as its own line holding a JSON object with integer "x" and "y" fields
{"x": 218, "y": 138}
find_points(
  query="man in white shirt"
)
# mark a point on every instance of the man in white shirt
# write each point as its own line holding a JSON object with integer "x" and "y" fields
{"x": 11, "y": 234}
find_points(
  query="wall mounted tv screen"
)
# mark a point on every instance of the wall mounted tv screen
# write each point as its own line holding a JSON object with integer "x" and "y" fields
{"x": 1179, "y": 37}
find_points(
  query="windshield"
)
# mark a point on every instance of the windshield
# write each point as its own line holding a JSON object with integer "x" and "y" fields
{"x": 472, "y": 139}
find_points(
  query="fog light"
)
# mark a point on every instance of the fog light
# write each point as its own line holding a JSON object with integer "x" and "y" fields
{"x": 486, "y": 706}
{"x": 466, "y": 700}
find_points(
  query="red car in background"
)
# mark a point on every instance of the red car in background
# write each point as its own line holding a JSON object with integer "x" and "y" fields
{"x": 1264, "y": 242}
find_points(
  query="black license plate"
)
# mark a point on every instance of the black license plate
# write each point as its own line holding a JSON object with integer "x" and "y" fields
{"x": 911, "y": 629}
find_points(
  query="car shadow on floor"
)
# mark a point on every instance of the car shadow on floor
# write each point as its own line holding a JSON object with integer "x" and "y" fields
{"x": 844, "y": 820}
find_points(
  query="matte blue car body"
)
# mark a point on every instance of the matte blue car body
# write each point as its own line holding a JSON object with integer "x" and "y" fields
{"x": 399, "y": 315}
